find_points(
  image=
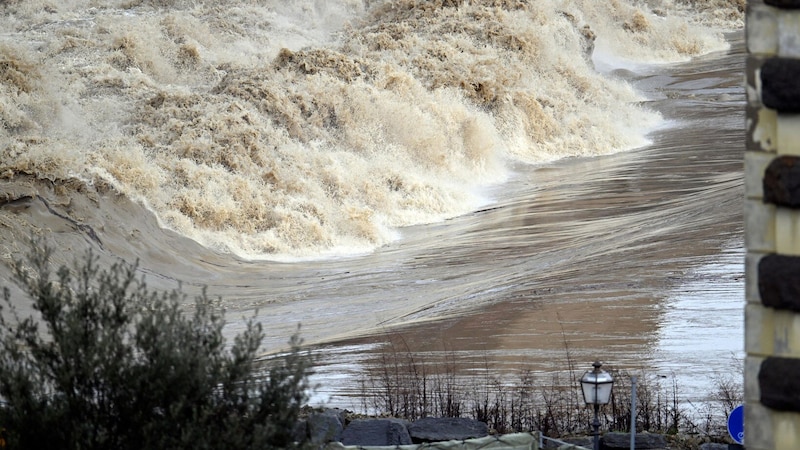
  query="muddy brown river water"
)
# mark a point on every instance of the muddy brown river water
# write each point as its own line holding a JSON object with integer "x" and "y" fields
{"x": 635, "y": 259}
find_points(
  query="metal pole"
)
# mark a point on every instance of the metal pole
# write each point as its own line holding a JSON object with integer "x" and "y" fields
{"x": 633, "y": 413}
{"x": 596, "y": 426}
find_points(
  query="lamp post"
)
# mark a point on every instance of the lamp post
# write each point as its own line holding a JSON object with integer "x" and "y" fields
{"x": 596, "y": 385}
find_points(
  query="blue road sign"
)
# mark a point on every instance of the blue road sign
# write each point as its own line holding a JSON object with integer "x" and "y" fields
{"x": 736, "y": 424}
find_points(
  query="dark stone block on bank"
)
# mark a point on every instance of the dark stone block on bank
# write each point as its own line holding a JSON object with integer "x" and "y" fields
{"x": 643, "y": 441}
{"x": 779, "y": 382}
{"x": 300, "y": 430}
{"x": 779, "y": 87}
{"x": 782, "y": 182}
{"x": 718, "y": 446}
{"x": 785, "y": 4}
{"x": 431, "y": 429}
{"x": 326, "y": 426}
{"x": 713, "y": 446}
{"x": 376, "y": 432}
{"x": 779, "y": 282}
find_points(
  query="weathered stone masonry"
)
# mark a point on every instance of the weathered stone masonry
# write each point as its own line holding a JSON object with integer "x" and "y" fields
{"x": 772, "y": 226}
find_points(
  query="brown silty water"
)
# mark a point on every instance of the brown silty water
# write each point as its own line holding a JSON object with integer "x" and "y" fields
{"x": 635, "y": 259}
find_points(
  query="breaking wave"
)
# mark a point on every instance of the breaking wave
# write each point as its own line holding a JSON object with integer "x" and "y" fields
{"x": 273, "y": 129}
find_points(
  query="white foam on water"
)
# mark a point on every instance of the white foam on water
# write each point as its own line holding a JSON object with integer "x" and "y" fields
{"x": 307, "y": 129}
{"x": 702, "y": 333}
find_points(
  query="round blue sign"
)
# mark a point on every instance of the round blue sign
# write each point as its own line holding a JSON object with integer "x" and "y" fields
{"x": 736, "y": 424}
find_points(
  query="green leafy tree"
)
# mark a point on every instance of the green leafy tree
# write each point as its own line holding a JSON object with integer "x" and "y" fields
{"x": 116, "y": 366}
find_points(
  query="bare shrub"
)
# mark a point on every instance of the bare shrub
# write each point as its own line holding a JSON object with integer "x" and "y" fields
{"x": 409, "y": 386}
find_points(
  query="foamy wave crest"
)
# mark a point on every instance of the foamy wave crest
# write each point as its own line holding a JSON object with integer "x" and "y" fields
{"x": 312, "y": 128}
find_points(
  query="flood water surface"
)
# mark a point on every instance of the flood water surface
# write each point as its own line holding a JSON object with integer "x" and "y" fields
{"x": 460, "y": 176}
{"x": 635, "y": 259}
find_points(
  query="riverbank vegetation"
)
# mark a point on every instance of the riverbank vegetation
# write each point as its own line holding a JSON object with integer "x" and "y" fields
{"x": 106, "y": 363}
{"x": 407, "y": 385}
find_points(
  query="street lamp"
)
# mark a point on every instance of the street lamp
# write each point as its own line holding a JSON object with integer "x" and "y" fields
{"x": 596, "y": 386}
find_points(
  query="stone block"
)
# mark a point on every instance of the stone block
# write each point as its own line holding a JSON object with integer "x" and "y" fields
{"x": 758, "y": 330}
{"x": 788, "y": 133}
{"x": 758, "y": 431}
{"x": 752, "y": 71}
{"x": 769, "y": 331}
{"x": 376, "y": 432}
{"x": 786, "y": 334}
{"x": 770, "y": 429}
{"x": 787, "y": 232}
{"x": 761, "y": 29}
{"x": 786, "y": 4}
{"x": 752, "y": 364}
{"x": 751, "y": 277}
{"x": 786, "y": 428}
{"x": 779, "y": 87}
{"x": 762, "y": 129}
{"x": 326, "y": 426}
{"x": 779, "y": 383}
{"x": 789, "y": 34}
{"x": 713, "y": 446}
{"x": 764, "y": 133}
{"x": 755, "y": 165}
{"x": 781, "y": 181}
{"x": 759, "y": 230}
{"x": 433, "y": 429}
{"x": 300, "y": 430}
{"x": 779, "y": 282}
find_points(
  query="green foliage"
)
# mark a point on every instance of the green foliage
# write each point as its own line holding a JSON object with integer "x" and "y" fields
{"x": 118, "y": 366}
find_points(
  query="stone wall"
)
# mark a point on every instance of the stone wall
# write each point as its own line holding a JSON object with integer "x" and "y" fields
{"x": 772, "y": 226}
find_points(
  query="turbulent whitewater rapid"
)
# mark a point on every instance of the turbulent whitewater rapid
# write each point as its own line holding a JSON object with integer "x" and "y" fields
{"x": 275, "y": 130}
